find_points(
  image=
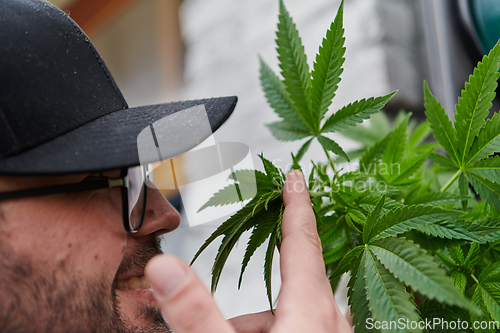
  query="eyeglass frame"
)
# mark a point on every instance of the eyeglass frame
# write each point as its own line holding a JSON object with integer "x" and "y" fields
{"x": 122, "y": 182}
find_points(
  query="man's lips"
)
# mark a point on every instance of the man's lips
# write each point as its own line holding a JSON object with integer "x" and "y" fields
{"x": 135, "y": 289}
{"x": 133, "y": 283}
{"x": 130, "y": 273}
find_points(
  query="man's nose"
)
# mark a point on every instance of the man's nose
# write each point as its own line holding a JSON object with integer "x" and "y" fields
{"x": 160, "y": 216}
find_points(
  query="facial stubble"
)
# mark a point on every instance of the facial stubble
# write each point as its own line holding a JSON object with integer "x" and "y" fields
{"x": 38, "y": 296}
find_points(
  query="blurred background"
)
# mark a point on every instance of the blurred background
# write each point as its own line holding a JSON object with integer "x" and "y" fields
{"x": 167, "y": 50}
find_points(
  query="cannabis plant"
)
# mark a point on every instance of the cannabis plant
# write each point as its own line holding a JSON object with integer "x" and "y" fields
{"x": 416, "y": 224}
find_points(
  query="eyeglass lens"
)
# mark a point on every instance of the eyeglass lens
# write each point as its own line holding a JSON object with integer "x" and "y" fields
{"x": 136, "y": 196}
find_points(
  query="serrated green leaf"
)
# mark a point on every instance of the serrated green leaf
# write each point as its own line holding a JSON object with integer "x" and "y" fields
{"x": 414, "y": 267}
{"x": 408, "y": 168}
{"x": 278, "y": 97}
{"x": 226, "y": 196}
{"x": 331, "y": 233}
{"x": 268, "y": 264}
{"x": 393, "y": 153}
{"x": 294, "y": 68}
{"x": 490, "y": 274}
{"x": 420, "y": 133}
{"x": 347, "y": 262}
{"x": 478, "y": 301}
{"x": 443, "y": 161}
{"x": 435, "y": 199}
{"x": 474, "y": 104}
{"x": 447, "y": 261}
{"x": 248, "y": 176}
{"x": 371, "y": 131}
{"x": 250, "y": 184}
{"x": 264, "y": 227}
{"x": 487, "y": 189}
{"x": 271, "y": 170}
{"x": 387, "y": 297}
{"x": 369, "y": 202}
{"x": 353, "y": 154}
{"x": 335, "y": 253}
{"x": 447, "y": 230}
{"x": 328, "y": 66}
{"x": 457, "y": 254}
{"x": 472, "y": 255}
{"x": 332, "y": 146}
{"x": 228, "y": 242}
{"x": 491, "y": 299}
{"x": 351, "y": 224}
{"x": 357, "y": 216}
{"x": 284, "y": 131}
{"x": 425, "y": 147}
{"x": 404, "y": 219}
{"x": 303, "y": 149}
{"x": 460, "y": 280}
{"x": 235, "y": 219}
{"x": 372, "y": 218}
{"x": 431, "y": 243}
{"x": 357, "y": 298}
{"x": 441, "y": 125}
{"x": 487, "y": 291}
{"x": 371, "y": 154}
{"x": 489, "y": 169}
{"x": 487, "y": 142}
{"x": 355, "y": 113}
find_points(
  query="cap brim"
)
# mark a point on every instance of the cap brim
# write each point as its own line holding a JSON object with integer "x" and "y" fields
{"x": 111, "y": 142}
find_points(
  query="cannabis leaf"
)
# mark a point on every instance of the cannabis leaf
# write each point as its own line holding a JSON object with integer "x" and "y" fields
{"x": 302, "y": 98}
{"x": 387, "y": 297}
{"x": 294, "y": 68}
{"x": 486, "y": 291}
{"x": 262, "y": 214}
{"x": 415, "y": 268}
{"x": 472, "y": 140}
{"x": 328, "y": 67}
{"x": 440, "y": 124}
{"x": 474, "y": 104}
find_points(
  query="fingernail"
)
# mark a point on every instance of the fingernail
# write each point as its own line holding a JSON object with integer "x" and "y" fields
{"x": 165, "y": 275}
{"x": 297, "y": 176}
{"x": 300, "y": 176}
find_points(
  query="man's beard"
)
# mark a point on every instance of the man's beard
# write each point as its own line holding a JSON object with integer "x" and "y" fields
{"x": 36, "y": 297}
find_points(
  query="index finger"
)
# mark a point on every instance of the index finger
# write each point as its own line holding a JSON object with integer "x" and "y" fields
{"x": 301, "y": 252}
{"x": 305, "y": 291}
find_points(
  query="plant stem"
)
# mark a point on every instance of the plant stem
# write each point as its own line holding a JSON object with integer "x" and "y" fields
{"x": 451, "y": 181}
{"x": 332, "y": 165}
{"x": 474, "y": 278}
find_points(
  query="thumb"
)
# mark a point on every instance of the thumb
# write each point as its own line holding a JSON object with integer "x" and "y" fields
{"x": 185, "y": 302}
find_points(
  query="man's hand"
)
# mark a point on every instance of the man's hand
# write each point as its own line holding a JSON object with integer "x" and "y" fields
{"x": 306, "y": 302}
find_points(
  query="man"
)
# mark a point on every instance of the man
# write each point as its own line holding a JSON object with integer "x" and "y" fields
{"x": 78, "y": 221}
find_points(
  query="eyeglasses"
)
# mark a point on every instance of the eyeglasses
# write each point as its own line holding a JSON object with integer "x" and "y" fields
{"x": 132, "y": 182}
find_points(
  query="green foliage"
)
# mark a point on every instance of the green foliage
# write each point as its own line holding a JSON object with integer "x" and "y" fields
{"x": 416, "y": 225}
{"x": 472, "y": 140}
{"x": 302, "y": 98}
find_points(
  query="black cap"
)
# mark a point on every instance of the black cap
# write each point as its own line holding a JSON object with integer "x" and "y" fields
{"x": 61, "y": 110}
